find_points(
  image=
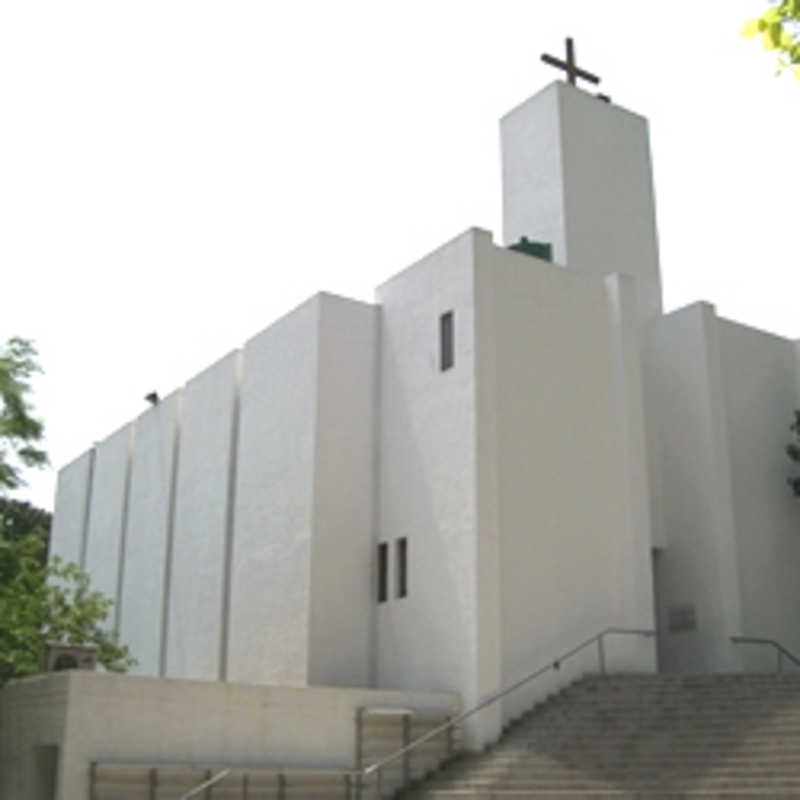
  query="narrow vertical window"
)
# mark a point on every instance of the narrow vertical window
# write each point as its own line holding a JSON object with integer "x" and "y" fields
{"x": 446, "y": 341}
{"x": 383, "y": 572}
{"x": 401, "y": 564}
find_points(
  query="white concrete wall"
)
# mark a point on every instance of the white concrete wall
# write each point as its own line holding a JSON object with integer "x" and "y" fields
{"x": 759, "y": 373}
{"x": 534, "y": 201}
{"x": 306, "y": 457}
{"x": 342, "y": 608}
{"x": 121, "y": 718}
{"x": 107, "y": 514}
{"x": 270, "y": 599}
{"x": 70, "y": 518}
{"x": 489, "y": 623}
{"x": 33, "y": 713}
{"x": 428, "y": 477}
{"x": 687, "y": 415}
{"x": 149, "y": 523}
{"x": 195, "y": 614}
{"x": 629, "y": 382}
{"x": 591, "y": 196}
{"x": 574, "y": 543}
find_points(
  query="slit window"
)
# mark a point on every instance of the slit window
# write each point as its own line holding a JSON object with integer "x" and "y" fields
{"x": 446, "y": 341}
{"x": 383, "y": 572}
{"x": 401, "y": 564}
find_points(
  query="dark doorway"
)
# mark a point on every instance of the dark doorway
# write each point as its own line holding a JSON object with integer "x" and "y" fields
{"x": 45, "y": 771}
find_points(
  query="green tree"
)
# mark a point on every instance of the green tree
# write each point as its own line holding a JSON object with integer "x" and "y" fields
{"x": 779, "y": 29}
{"x": 48, "y": 602}
{"x": 19, "y": 431}
{"x": 19, "y": 518}
{"x": 40, "y": 601}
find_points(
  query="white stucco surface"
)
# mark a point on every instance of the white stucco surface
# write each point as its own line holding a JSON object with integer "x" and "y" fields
{"x": 722, "y": 396}
{"x": 698, "y": 568}
{"x": 577, "y": 174}
{"x": 107, "y": 513}
{"x": 428, "y": 475}
{"x": 113, "y": 718}
{"x": 527, "y": 533}
{"x": 534, "y": 202}
{"x": 574, "y": 559}
{"x": 759, "y": 373}
{"x": 195, "y": 628}
{"x": 629, "y": 386}
{"x": 146, "y": 553}
{"x": 72, "y": 497}
{"x": 270, "y": 598}
{"x": 488, "y": 574}
{"x": 342, "y": 610}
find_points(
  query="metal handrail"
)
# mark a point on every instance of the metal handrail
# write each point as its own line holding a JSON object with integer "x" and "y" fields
{"x": 281, "y": 773}
{"x": 206, "y": 784}
{"x": 493, "y": 698}
{"x": 377, "y": 767}
{"x": 780, "y": 649}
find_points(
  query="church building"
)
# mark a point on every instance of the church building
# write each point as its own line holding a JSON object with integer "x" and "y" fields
{"x": 511, "y": 449}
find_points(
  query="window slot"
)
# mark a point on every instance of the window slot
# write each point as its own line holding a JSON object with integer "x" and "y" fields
{"x": 383, "y": 572}
{"x": 401, "y": 565}
{"x": 446, "y": 341}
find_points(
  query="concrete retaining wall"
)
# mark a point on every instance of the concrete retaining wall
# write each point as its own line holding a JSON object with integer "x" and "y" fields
{"x": 92, "y": 716}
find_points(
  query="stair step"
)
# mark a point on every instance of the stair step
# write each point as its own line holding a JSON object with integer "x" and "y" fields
{"x": 740, "y": 794}
{"x": 622, "y": 770}
{"x": 642, "y": 737}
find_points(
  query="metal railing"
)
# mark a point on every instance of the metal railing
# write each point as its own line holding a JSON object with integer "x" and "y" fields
{"x": 282, "y": 780}
{"x": 377, "y": 768}
{"x": 206, "y": 784}
{"x": 356, "y": 781}
{"x": 406, "y": 716}
{"x": 780, "y": 650}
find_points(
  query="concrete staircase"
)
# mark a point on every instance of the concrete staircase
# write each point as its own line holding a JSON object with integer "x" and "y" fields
{"x": 633, "y": 736}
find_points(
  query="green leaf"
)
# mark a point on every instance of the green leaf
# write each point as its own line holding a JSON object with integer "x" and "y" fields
{"x": 751, "y": 29}
{"x": 773, "y": 36}
{"x": 19, "y": 431}
{"x": 42, "y": 602}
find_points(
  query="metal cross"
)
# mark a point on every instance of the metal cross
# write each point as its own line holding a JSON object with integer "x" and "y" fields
{"x": 573, "y": 71}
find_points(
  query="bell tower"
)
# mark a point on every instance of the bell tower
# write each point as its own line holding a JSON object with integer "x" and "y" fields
{"x": 577, "y": 174}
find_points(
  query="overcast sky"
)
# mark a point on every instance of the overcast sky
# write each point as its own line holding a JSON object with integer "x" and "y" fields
{"x": 176, "y": 175}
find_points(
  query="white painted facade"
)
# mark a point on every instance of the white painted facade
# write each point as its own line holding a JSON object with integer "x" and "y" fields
{"x": 303, "y": 504}
{"x": 72, "y": 500}
{"x": 104, "y": 546}
{"x": 577, "y": 174}
{"x": 194, "y": 622}
{"x": 721, "y": 398}
{"x": 149, "y": 526}
{"x": 579, "y": 437}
